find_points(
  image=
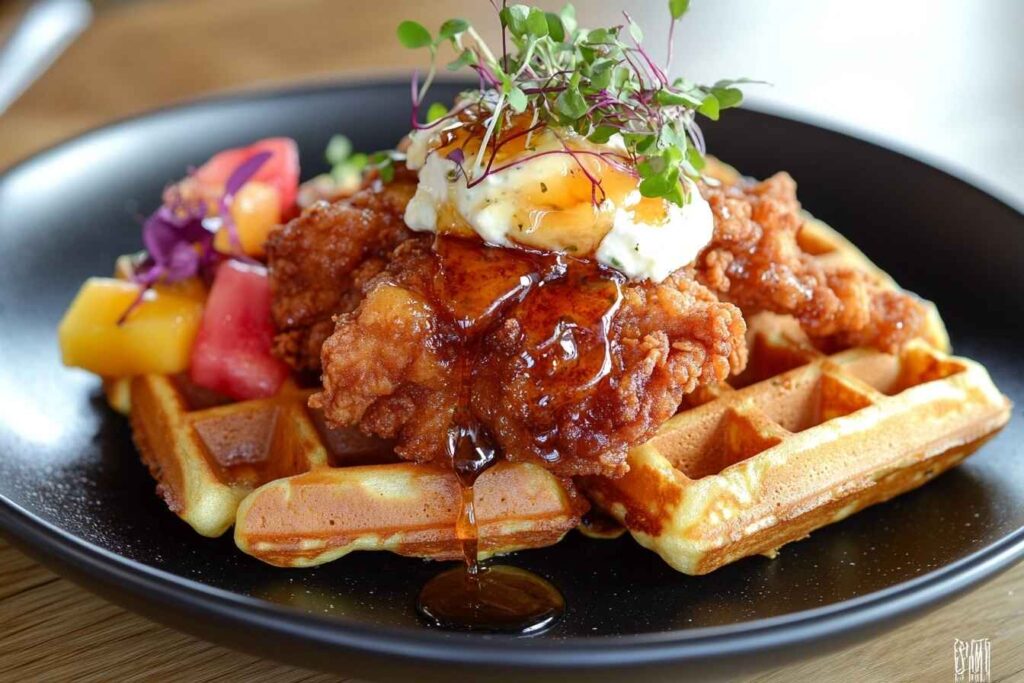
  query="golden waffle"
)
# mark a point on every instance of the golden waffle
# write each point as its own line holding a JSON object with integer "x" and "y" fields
{"x": 310, "y": 494}
{"x": 750, "y": 469}
{"x": 406, "y": 508}
{"x": 207, "y": 457}
{"x": 800, "y": 439}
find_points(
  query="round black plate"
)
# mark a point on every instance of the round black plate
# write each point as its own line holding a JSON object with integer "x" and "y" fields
{"x": 73, "y": 493}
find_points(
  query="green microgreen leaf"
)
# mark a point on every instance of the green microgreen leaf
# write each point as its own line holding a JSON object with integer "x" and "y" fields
{"x": 556, "y": 29}
{"x": 727, "y": 82}
{"x": 568, "y": 17}
{"x": 602, "y": 134}
{"x": 384, "y": 163}
{"x": 676, "y": 98}
{"x": 436, "y": 111}
{"x": 695, "y": 159}
{"x": 601, "y": 36}
{"x": 514, "y": 18}
{"x": 517, "y": 100}
{"x": 537, "y": 23}
{"x": 339, "y": 148}
{"x": 658, "y": 185}
{"x": 636, "y": 33}
{"x": 645, "y": 143}
{"x": 465, "y": 58}
{"x": 570, "y": 105}
{"x": 413, "y": 35}
{"x": 727, "y": 97}
{"x": 678, "y": 7}
{"x": 675, "y": 193}
{"x": 671, "y": 137}
{"x": 452, "y": 28}
{"x": 710, "y": 107}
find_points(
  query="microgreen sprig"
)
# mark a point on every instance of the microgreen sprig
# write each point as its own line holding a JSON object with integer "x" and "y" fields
{"x": 596, "y": 83}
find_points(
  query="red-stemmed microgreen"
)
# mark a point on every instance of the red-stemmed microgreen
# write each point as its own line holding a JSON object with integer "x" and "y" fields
{"x": 592, "y": 83}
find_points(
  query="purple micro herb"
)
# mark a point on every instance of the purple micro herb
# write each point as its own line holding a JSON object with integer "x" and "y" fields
{"x": 456, "y": 155}
{"x": 241, "y": 175}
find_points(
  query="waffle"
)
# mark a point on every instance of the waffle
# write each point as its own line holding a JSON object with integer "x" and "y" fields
{"x": 300, "y": 493}
{"x": 749, "y": 469}
{"x": 801, "y": 438}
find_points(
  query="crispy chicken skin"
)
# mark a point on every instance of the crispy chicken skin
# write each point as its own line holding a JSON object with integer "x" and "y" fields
{"x": 320, "y": 261}
{"x": 755, "y": 261}
{"x": 569, "y": 374}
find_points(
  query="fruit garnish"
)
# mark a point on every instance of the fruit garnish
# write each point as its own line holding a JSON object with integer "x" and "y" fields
{"x": 178, "y": 237}
{"x": 281, "y": 171}
{"x": 157, "y": 339}
{"x": 232, "y": 351}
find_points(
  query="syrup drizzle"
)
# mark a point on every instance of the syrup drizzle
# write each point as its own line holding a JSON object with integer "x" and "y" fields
{"x": 473, "y": 597}
{"x": 564, "y": 307}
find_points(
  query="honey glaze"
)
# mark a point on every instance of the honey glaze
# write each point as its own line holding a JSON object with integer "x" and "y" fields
{"x": 475, "y": 597}
{"x": 564, "y": 307}
{"x": 497, "y": 599}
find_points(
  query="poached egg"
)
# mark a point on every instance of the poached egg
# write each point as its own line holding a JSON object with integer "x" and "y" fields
{"x": 539, "y": 196}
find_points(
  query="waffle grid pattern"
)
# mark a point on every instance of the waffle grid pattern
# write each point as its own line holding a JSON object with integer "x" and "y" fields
{"x": 750, "y": 468}
{"x": 300, "y": 494}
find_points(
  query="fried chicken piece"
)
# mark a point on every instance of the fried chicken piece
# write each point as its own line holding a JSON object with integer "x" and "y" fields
{"x": 756, "y": 262}
{"x": 554, "y": 360}
{"x": 320, "y": 261}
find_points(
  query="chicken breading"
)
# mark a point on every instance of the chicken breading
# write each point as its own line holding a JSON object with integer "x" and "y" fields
{"x": 320, "y": 261}
{"x": 554, "y": 360}
{"x": 559, "y": 361}
{"x": 755, "y": 261}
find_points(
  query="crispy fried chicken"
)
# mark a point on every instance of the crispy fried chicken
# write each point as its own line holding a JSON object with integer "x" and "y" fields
{"x": 556, "y": 360}
{"x": 755, "y": 261}
{"x": 320, "y": 261}
{"x": 559, "y": 361}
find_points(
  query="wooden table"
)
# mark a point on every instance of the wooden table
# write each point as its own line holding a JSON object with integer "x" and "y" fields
{"x": 145, "y": 54}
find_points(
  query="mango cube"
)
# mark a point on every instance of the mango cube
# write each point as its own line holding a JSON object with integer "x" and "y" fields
{"x": 256, "y": 210}
{"x": 155, "y": 338}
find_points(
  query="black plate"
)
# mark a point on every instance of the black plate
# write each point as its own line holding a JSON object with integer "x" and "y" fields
{"x": 73, "y": 493}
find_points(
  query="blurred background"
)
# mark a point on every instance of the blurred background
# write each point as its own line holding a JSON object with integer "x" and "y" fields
{"x": 940, "y": 79}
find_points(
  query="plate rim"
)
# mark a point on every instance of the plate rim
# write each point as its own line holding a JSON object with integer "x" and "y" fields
{"x": 805, "y": 627}
{"x": 61, "y": 549}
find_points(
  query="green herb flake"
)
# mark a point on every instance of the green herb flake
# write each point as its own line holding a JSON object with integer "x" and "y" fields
{"x": 338, "y": 149}
{"x": 413, "y": 35}
{"x": 436, "y": 111}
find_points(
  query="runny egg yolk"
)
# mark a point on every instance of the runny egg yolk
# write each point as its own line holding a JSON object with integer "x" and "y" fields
{"x": 537, "y": 195}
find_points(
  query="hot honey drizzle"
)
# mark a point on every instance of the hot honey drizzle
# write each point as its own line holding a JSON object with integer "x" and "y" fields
{"x": 564, "y": 307}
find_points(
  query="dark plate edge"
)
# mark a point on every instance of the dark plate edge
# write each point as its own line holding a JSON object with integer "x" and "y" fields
{"x": 867, "y": 615}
